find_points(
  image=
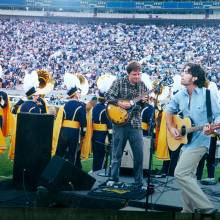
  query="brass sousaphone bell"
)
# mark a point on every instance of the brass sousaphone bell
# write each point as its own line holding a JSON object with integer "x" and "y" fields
{"x": 84, "y": 84}
{"x": 46, "y": 82}
{"x": 105, "y": 78}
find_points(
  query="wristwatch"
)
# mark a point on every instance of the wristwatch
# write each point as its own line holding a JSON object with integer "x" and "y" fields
{"x": 131, "y": 102}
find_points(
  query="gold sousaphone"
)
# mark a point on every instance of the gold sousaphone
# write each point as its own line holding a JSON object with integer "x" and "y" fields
{"x": 46, "y": 82}
{"x": 84, "y": 84}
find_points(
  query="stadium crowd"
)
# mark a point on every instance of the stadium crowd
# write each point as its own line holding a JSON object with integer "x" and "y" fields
{"x": 95, "y": 49}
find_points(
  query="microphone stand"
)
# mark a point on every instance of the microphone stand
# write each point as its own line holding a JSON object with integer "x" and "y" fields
{"x": 105, "y": 162}
{"x": 151, "y": 134}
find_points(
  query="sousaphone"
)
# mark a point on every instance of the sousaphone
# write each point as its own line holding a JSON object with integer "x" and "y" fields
{"x": 46, "y": 82}
{"x": 84, "y": 84}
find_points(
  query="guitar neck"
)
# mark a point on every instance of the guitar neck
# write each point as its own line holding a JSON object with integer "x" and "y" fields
{"x": 142, "y": 96}
{"x": 193, "y": 129}
{"x": 199, "y": 128}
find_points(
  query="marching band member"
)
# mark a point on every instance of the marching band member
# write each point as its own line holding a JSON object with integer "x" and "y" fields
{"x": 86, "y": 147}
{"x": 163, "y": 152}
{"x": 42, "y": 103}
{"x": 16, "y": 107}
{"x": 4, "y": 114}
{"x": 46, "y": 84}
{"x": 74, "y": 121}
{"x": 30, "y": 105}
{"x": 36, "y": 85}
{"x": 102, "y": 128}
{"x": 148, "y": 109}
{"x": 31, "y": 84}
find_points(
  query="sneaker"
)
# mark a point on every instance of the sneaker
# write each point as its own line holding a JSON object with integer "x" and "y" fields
{"x": 162, "y": 175}
{"x": 120, "y": 185}
{"x": 135, "y": 186}
{"x": 208, "y": 181}
{"x": 206, "y": 211}
{"x": 110, "y": 183}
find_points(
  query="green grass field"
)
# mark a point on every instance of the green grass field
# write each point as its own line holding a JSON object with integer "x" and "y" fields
{"x": 6, "y": 166}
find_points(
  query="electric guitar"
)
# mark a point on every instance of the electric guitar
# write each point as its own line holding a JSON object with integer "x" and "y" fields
{"x": 120, "y": 116}
{"x": 186, "y": 128}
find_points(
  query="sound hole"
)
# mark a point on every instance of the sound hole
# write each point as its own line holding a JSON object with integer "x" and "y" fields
{"x": 183, "y": 130}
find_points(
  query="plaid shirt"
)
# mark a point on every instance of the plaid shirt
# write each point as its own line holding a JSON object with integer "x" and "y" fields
{"x": 123, "y": 89}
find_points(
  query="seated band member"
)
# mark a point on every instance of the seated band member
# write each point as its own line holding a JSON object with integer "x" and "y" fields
{"x": 74, "y": 122}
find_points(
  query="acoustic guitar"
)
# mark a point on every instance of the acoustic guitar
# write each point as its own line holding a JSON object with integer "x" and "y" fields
{"x": 186, "y": 128}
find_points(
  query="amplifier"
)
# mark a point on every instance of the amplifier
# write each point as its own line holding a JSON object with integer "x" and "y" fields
{"x": 127, "y": 158}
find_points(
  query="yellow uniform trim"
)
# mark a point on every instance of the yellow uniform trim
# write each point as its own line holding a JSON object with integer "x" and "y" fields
{"x": 1, "y": 111}
{"x": 70, "y": 124}
{"x": 144, "y": 126}
{"x": 99, "y": 127}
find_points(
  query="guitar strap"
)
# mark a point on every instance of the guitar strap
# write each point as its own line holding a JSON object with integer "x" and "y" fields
{"x": 208, "y": 106}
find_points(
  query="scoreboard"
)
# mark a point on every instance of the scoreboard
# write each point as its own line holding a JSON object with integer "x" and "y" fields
{"x": 111, "y": 4}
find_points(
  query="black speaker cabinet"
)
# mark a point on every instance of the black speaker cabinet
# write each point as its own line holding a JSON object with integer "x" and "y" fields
{"x": 82, "y": 180}
{"x": 61, "y": 175}
{"x": 57, "y": 175}
{"x": 32, "y": 148}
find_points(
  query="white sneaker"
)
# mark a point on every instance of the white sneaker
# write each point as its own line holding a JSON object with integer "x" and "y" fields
{"x": 208, "y": 181}
{"x": 110, "y": 183}
{"x": 206, "y": 211}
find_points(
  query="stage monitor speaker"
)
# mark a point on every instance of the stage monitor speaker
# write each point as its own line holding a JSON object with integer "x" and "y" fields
{"x": 32, "y": 148}
{"x": 61, "y": 175}
{"x": 127, "y": 158}
{"x": 81, "y": 180}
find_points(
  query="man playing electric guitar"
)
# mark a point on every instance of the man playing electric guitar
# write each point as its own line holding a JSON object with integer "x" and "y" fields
{"x": 191, "y": 101}
{"x": 129, "y": 88}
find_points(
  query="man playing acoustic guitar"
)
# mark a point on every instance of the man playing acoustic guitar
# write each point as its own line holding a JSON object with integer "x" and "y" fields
{"x": 191, "y": 102}
{"x": 123, "y": 94}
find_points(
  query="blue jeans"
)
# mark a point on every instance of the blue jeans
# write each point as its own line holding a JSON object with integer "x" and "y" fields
{"x": 120, "y": 136}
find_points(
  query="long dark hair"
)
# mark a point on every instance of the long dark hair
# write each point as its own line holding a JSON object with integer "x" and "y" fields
{"x": 197, "y": 71}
